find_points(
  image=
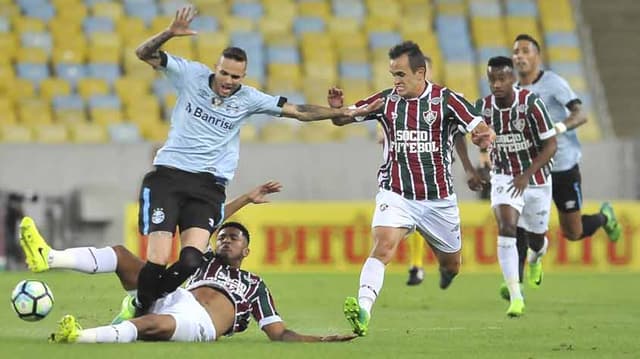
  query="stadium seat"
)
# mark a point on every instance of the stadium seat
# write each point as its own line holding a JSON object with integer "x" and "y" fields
{"x": 108, "y": 9}
{"x": 349, "y": 9}
{"x": 50, "y": 133}
{"x": 88, "y": 87}
{"x": 21, "y": 89}
{"x": 304, "y": 24}
{"x": 563, "y": 54}
{"x": 69, "y": 109}
{"x": 32, "y": 72}
{"x": 32, "y": 111}
{"x": 40, "y": 40}
{"x": 234, "y": 23}
{"x": 484, "y": 9}
{"x": 98, "y": 24}
{"x": 124, "y": 133}
{"x": 317, "y": 132}
{"x": 108, "y": 72}
{"x": 488, "y": 31}
{"x": 129, "y": 89}
{"x": 156, "y": 133}
{"x": 12, "y": 133}
{"x": 208, "y": 46}
{"x": 70, "y": 72}
{"x": 145, "y": 10}
{"x": 86, "y": 132}
{"x": 8, "y": 45}
{"x": 277, "y": 131}
{"x": 126, "y": 26}
{"x": 527, "y": 8}
{"x": 517, "y": 25}
{"x": 247, "y": 9}
{"x": 319, "y": 8}
{"x": 248, "y": 133}
{"x": 53, "y": 86}
{"x": 32, "y": 55}
{"x": 28, "y": 24}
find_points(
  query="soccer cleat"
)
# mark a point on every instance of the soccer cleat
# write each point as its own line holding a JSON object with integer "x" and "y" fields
{"x": 504, "y": 292}
{"x": 67, "y": 332}
{"x": 516, "y": 308}
{"x": 357, "y": 317}
{"x": 534, "y": 277}
{"x": 127, "y": 310}
{"x": 36, "y": 250}
{"x": 416, "y": 276}
{"x": 612, "y": 227}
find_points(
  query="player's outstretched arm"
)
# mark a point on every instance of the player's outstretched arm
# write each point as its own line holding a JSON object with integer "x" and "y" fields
{"x": 577, "y": 118}
{"x": 257, "y": 195}
{"x": 279, "y": 332}
{"x": 149, "y": 51}
{"x": 308, "y": 113}
{"x": 482, "y": 135}
{"x": 335, "y": 99}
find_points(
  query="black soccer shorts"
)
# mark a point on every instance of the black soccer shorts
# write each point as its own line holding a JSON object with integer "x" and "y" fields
{"x": 170, "y": 197}
{"x": 567, "y": 189}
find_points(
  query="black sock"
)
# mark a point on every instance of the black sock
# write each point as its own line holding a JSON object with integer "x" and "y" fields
{"x": 522, "y": 245}
{"x": 149, "y": 281}
{"x": 591, "y": 223}
{"x": 189, "y": 261}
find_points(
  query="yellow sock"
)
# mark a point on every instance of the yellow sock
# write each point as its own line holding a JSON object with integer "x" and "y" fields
{"x": 416, "y": 249}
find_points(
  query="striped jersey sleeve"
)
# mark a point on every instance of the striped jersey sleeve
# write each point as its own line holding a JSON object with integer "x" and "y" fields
{"x": 263, "y": 307}
{"x": 366, "y": 101}
{"x": 466, "y": 115}
{"x": 539, "y": 118}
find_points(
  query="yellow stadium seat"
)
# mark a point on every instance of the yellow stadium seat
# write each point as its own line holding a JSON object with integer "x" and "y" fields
{"x": 253, "y": 82}
{"x": 21, "y": 89}
{"x": 355, "y": 90}
{"x": 126, "y": 26}
{"x": 320, "y": 71}
{"x": 34, "y": 111}
{"x": 577, "y": 83}
{"x": 144, "y": 110}
{"x": 88, "y": 87}
{"x": 156, "y": 133}
{"x": 415, "y": 23}
{"x": 107, "y": 39}
{"x": 34, "y": 55}
{"x": 319, "y": 8}
{"x": 317, "y": 132}
{"x": 62, "y": 28}
{"x": 62, "y": 4}
{"x": 140, "y": 70}
{"x": 105, "y": 116}
{"x": 284, "y": 9}
{"x": 218, "y": 8}
{"x": 181, "y": 46}
{"x": 380, "y": 23}
{"x": 355, "y": 132}
{"x": 104, "y": 54}
{"x": 73, "y": 13}
{"x": 69, "y": 55}
{"x": 284, "y": 78}
{"x": 379, "y": 8}
{"x": 208, "y": 46}
{"x": 53, "y": 86}
{"x": 11, "y": 9}
{"x": 50, "y": 133}
{"x": 7, "y": 75}
{"x": 70, "y": 116}
{"x": 278, "y": 131}
{"x": 160, "y": 23}
{"x": 87, "y": 132}
{"x": 556, "y": 15}
{"x": 110, "y": 9}
{"x": 564, "y": 54}
{"x": 341, "y": 26}
{"x": 8, "y": 45}
{"x": 315, "y": 90}
{"x": 488, "y": 32}
{"x": 353, "y": 54}
{"x": 28, "y": 24}
{"x": 11, "y": 133}
{"x": 451, "y": 8}
{"x": 235, "y": 23}
{"x": 517, "y": 25}
{"x": 248, "y": 133}
{"x": 462, "y": 78}
{"x": 8, "y": 117}
{"x": 273, "y": 27}
{"x": 129, "y": 89}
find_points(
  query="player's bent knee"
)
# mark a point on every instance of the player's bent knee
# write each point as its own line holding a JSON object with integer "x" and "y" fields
{"x": 507, "y": 229}
{"x": 191, "y": 258}
{"x": 155, "y": 327}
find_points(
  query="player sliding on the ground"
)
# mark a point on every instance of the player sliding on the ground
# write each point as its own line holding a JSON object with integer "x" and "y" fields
{"x": 219, "y": 299}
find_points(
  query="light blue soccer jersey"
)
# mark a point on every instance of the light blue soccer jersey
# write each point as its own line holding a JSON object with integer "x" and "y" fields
{"x": 556, "y": 94}
{"x": 205, "y": 128}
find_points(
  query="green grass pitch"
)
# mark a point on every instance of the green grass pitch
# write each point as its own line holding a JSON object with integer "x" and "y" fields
{"x": 571, "y": 316}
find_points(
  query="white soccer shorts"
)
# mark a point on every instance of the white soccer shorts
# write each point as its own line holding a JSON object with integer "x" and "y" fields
{"x": 193, "y": 323}
{"x": 438, "y": 221}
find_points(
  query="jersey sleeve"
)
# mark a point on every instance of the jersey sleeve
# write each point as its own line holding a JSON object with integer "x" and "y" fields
{"x": 178, "y": 69}
{"x": 540, "y": 120}
{"x": 263, "y": 307}
{"x": 366, "y": 101}
{"x": 266, "y": 104}
{"x": 563, "y": 92}
{"x": 464, "y": 113}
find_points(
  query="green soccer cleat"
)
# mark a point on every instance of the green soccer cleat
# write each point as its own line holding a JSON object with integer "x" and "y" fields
{"x": 67, "y": 332}
{"x": 36, "y": 250}
{"x": 612, "y": 227}
{"x": 127, "y": 310}
{"x": 516, "y": 308}
{"x": 357, "y": 317}
{"x": 534, "y": 277}
{"x": 504, "y": 292}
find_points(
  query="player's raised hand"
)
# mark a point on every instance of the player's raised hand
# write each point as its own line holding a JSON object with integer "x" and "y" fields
{"x": 259, "y": 194}
{"x": 180, "y": 24}
{"x": 335, "y": 97}
{"x": 338, "y": 338}
{"x": 365, "y": 110}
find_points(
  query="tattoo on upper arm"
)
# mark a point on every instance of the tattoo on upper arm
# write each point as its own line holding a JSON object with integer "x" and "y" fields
{"x": 149, "y": 49}
{"x": 305, "y": 108}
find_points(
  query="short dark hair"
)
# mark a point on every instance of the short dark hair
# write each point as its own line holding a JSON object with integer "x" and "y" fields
{"x": 235, "y": 53}
{"x": 416, "y": 57}
{"x": 500, "y": 61}
{"x": 527, "y": 37}
{"x": 238, "y": 226}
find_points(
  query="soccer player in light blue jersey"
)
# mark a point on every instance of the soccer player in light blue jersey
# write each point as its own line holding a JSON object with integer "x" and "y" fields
{"x": 187, "y": 186}
{"x": 565, "y": 109}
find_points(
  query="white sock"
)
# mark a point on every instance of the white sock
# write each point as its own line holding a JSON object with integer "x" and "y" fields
{"x": 535, "y": 257}
{"x": 371, "y": 279}
{"x": 508, "y": 259}
{"x": 85, "y": 259}
{"x": 124, "y": 332}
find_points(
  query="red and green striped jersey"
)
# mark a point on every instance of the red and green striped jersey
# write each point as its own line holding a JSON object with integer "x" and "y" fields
{"x": 418, "y": 139}
{"x": 520, "y": 132}
{"x": 245, "y": 290}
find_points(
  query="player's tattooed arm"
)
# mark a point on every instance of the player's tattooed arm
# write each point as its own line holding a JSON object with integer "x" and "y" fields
{"x": 577, "y": 117}
{"x": 149, "y": 51}
{"x": 278, "y": 332}
{"x": 307, "y": 113}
